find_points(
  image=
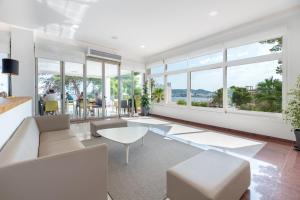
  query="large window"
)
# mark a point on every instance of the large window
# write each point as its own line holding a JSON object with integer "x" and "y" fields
{"x": 207, "y": 88}
{"x": 3, "y": 77}
{"x": 177, "y": 88}
{"x": 253, "y": 79}
{"x": 255, "y": 87}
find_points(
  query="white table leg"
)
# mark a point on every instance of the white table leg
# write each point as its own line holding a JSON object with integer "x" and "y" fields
{"x": 127, "y": 152}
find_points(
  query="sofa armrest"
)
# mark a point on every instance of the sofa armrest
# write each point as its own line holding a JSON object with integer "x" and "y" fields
{"x": 53, "y": 122}
{"x": 74, "y": 175}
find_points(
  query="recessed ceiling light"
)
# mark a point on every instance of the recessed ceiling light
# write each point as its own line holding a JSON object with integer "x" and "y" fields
{"x": 142, "y": 46}
{"x": 213, "y": 13}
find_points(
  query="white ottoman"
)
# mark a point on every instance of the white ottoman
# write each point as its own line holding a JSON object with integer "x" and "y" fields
{"x": 210, "y": 175}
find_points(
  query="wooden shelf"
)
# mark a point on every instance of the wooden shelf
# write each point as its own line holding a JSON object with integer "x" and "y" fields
{"x": 11, "y": 102}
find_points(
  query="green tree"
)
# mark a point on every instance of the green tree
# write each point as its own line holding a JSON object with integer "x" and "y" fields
{"x": 218, "y": 98}
{"x": 181, "y": 102}
{"x": 114, "y": 84}
{"x": 240, "y": 96}
{"x": 200, "y": 104}
{"x": 158, "y": 94}
{"x": 268, "y": 95}
{"x": 73, "y": 83}
{"x": 49, "y": 81}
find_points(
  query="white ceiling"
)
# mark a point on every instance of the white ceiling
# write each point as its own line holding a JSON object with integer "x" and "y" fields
{"x": 157, "y": 24}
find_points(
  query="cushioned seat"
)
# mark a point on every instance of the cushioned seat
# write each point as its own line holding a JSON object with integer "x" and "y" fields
{"x": 211, "y": 175}
{"x": 60, "y": 146}
{"x": 52, "y": 136}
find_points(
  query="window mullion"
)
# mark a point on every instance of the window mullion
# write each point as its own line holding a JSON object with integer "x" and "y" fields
{"x": 225, "y": 96}
{"x": 165, "y": 84}
{"x": 188, "y": 89}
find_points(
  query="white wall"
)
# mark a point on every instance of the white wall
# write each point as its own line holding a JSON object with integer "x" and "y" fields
{"x": 271, "y": 125}
{"x": 22, "y": 49}
{"x": 136, "y": 66}
{"x": 12, "y": 119}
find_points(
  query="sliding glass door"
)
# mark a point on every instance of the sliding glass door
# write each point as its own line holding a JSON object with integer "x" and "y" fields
{"x": 126, "y": 92}
{"x": 73, "y": 91}
{"x": 49, "y": 88}
{"x": 111, "y": 89}
{"x": 102, "y": 89}
{"x": 96, "y": 90}
{"x": 138, "y": 80}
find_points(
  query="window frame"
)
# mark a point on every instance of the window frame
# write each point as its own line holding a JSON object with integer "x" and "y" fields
{"x": 225, "y": 64}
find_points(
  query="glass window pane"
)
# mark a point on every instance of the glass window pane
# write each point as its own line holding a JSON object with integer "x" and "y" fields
{"x": 177, "y": 88}
{"x": 157, "y": 69}
{"x": 3, "y": 77}
{"x": 138, "y": 85}
{"x": 49, "y": 86}
{"x": 126, "y": 92}
{"x": 157, "y": 89}
{"x": 73, "y": 88}
{"x": 207, "y": 88}
{"x": 255, "y": 49}
{"x": 177, "y": 66}
{"x": 206, "y": 60}
{"x": 111, "y": 89}
{"x": 94, "y": 89}
{"x": 256, "y": 87}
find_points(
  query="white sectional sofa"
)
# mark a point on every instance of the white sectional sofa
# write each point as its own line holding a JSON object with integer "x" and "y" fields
{"x": 45, "y": 160}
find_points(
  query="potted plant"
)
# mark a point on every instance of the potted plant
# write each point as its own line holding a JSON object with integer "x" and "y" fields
{"x": 293, "y": 111}
{"x": 145, "y": 100}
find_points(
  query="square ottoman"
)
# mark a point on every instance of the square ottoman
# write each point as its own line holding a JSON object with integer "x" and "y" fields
{"x": 210, "y": 175}
{"x": 108, "y": 123}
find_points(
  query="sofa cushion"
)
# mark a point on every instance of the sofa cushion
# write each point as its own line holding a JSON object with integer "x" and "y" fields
{"x": 53, "y": 136}
{"x": 60, "y": 146}
{"x": 53, "y": 122}
{"x": 23, "y": 145}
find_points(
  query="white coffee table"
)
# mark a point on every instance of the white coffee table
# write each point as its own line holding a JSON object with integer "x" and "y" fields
{"x": 125, "y": 135}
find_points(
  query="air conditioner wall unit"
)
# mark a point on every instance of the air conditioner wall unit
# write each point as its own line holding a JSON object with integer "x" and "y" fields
{"x": 104, "y": 55}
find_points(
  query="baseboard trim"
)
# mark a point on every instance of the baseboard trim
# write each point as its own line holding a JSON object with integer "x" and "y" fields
{"x": 227, "y": 130}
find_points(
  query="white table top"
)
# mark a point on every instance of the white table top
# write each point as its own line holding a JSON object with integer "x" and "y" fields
{"x": 124, "y": 135}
